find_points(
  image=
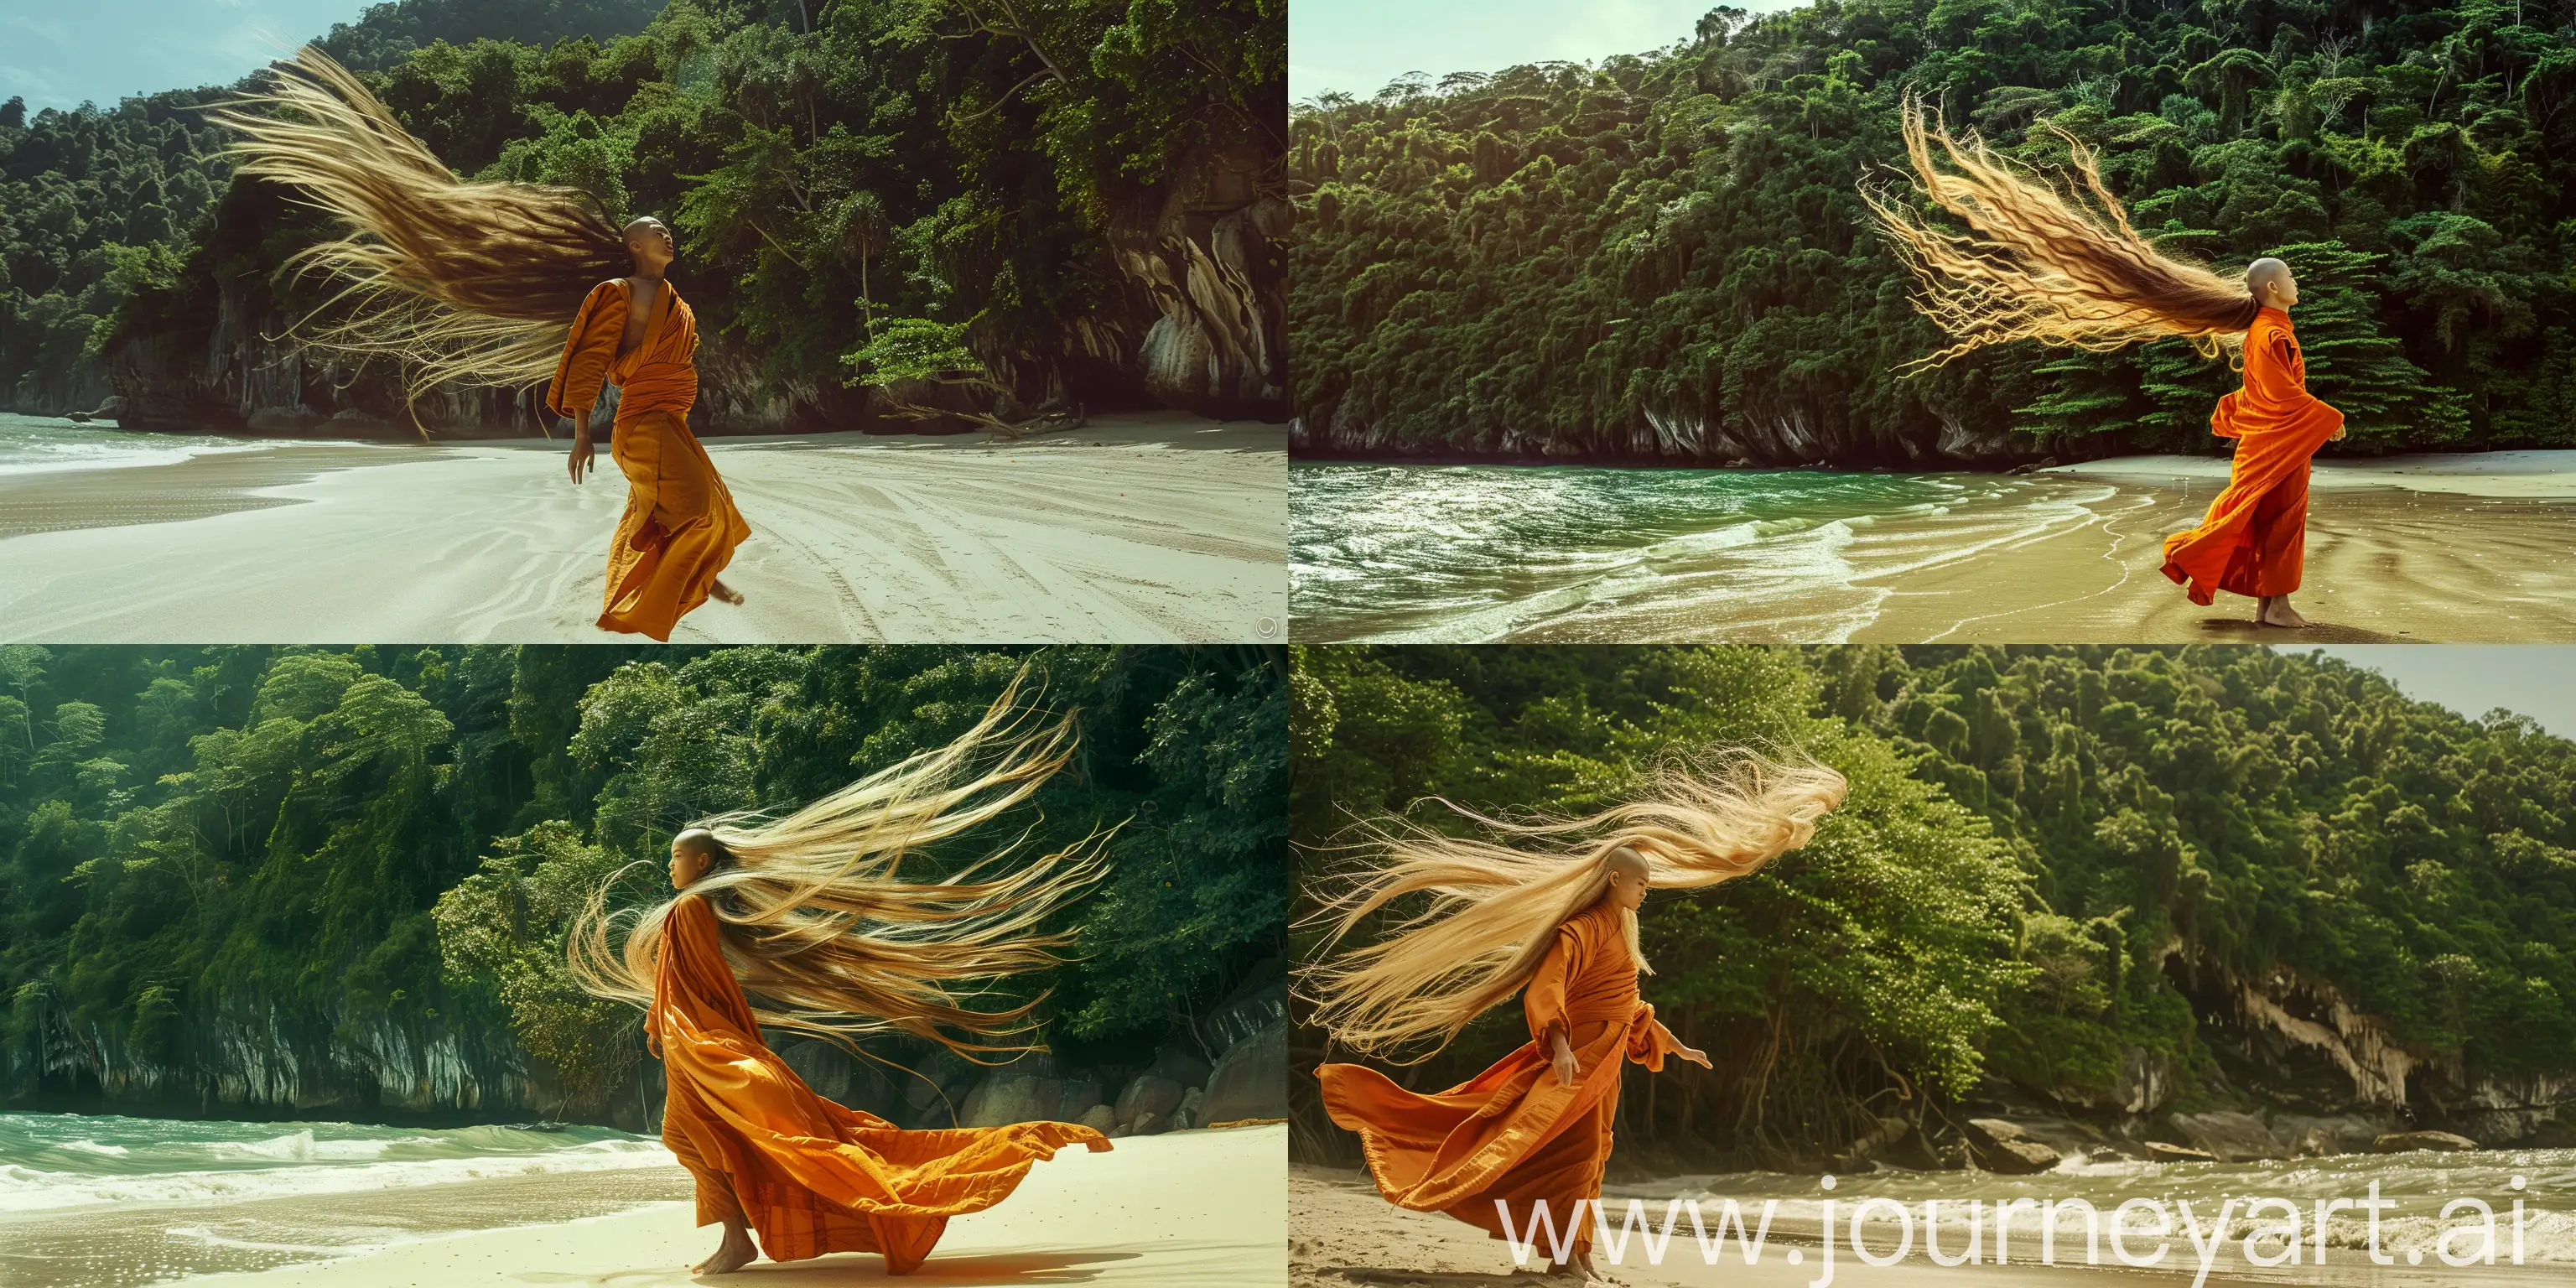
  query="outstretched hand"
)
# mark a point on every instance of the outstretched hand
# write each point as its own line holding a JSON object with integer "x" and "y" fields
{"x": 1695, "y": 1056}
{"x": 582, "y": 453}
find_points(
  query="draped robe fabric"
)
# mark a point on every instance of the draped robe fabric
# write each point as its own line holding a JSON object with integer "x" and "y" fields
{"x": 809, "y": 1175}
{"x": 1511, "y": 1135}
{"x": 680, "y": 526}
{"x": 2254, "y": 538}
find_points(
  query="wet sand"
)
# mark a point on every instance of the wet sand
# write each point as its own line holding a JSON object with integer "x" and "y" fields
{"x": 1137, "y": 528}
{"x": 1342, "y": 1234}
{"x": 1196, "y": 1209}
{"x": 2420, "y": 549}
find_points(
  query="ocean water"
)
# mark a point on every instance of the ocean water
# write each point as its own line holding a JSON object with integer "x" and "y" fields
{"x": 1492, "y": 552}
{"x": 2419, "y": 1184}
{"x": 38, "y": 444}
{"x": 51, "y": 1162}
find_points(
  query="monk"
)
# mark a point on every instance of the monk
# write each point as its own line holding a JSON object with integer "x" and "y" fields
{"x": 680, "y": 527}
{"x": 769, "y": 1154}
{"x": 1535, "y": 1128}
{"x": 2254, "y": 539}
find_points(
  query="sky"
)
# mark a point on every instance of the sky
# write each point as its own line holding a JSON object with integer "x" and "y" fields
{"x": 2537, "y": 680}
{"x": 1357, "y": 46}
{"x": 58, "y": 53}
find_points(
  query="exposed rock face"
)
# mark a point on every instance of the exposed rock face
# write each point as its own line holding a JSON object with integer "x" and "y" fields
{"x": 2009, "y": 1148}
{"x": 1212, "y": 261}
{"x": 2408, "y": 1141}
{"x": 1786, "y": 435}
{"x": 80, "y": 387}
{"x": 2301, "y": 1072}
{"x": 254, "y": 1060}
{"x": 2230, "y": 1137}
{"x": 244, "y": 374}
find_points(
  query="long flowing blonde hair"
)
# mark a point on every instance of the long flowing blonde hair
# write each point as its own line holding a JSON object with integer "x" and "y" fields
{"x": 473, "y": 283}
{"x": 825, "y": 935}
{"x": 2043, "y": 262}
{"x": 1496, "y": 900}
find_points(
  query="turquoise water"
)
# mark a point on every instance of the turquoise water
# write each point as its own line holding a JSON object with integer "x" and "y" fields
{"x": 61, "y": 1161}
{"x": 1491, "y": 552}
{"x": 37, "y": 444}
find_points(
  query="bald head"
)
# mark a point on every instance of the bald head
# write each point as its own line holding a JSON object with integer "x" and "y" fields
{"x": 692, "y": 853}
{"x": 2270, "y": 283}
{"x": 649, "y": 241}
{"x": 1630, "y": 875}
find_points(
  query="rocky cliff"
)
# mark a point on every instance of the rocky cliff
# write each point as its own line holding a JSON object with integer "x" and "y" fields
{"x": 1779, "y": 437}
{"x": 253, "y": 1060}
{"x": 1199, "y": 327}
{"x": 2295, "y": 1070}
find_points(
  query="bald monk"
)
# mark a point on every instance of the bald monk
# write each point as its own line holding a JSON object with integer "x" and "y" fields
{"x": 680, "y": 527}
{"x": 771, "y": 1156}
{"x": 1536, "y": 1126}
{"x": 2254, "y": 538}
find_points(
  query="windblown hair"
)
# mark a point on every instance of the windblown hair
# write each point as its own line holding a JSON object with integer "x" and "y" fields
{"x": 2043, "y": 263}
{"x": 1497, "y": 900}
{"x": 474, "y": 283}
{"x": 825, "y": 935}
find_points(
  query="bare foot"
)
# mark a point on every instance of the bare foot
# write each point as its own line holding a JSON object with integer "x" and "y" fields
{"x": 724, "y": 592}
{"x": 2276, "y": 611}
{"x": 735, "y": 1253}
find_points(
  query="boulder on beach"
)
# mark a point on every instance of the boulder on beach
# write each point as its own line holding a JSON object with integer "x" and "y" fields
{"x": 2008, "y": 1149}
{"x": 2404, "y": 1142}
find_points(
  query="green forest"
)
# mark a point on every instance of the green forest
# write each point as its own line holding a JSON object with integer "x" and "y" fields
{"x": 384, "y": 837}
{"x": 99, "y": 202}
{"x": 863, "y": 190}
{"x": 1665, "y": 256}
{"x": 2052, "y": 860}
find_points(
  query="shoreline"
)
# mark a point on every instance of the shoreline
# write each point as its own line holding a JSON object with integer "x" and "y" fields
{"x": 2468, "y": 548}
{"x": 1140, "y": 527}
{"x": 1197, "y": 1207}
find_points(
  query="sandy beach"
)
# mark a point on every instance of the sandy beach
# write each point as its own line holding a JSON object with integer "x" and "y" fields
{"x": 2454, "y": 549}
{"x": 1343, "y": 1235}
{"x": 1139, "y": 527}
{"x": 1194, "y": 1209}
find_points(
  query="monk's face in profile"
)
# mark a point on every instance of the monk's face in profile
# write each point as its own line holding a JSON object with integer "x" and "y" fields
{"x": 649, "y": 241}
{"x": 2272, "y": 283}
{"x": 1628, "y": 880}
{"x": 692, "y": 853}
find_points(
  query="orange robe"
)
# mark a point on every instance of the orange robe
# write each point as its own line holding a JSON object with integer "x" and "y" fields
{"x": 1512, "y": 1135}
{"x": 2255, "y": 536}
{"x": 680, "y": 526}
{"x": 809, "y": 1175}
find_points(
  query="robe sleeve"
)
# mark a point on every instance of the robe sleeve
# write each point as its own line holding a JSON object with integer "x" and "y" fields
{"x": 588, "y": 353}
{"x": 1544, "y": 1001}
{"x": 1650, "y": 1042}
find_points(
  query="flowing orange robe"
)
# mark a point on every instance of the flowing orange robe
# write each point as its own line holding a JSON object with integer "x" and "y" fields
{"x": 2255, "y": 536}
{"x": 680, "y": 527}
{"x": 1511, "y": 1135}
{"x": 809, "y": 1175}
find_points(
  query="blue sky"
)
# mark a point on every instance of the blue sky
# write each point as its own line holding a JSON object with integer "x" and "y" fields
{"x": 1357, "y": 46}
{"x": 2537, "y": 680}
{"x": 56, "y": 53}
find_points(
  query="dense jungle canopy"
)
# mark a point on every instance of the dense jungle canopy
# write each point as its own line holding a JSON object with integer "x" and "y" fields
{"x": 1664, "y": 257}
{"x": 2053, "y": 859}
{"x": 343, "y": 836}
{"x": 947, "y": 176}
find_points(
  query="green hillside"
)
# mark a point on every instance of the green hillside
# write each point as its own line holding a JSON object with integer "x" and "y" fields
{"x": 1665, "y": 258}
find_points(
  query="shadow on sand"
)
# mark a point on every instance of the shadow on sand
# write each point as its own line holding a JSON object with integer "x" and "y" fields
{"x": 989, "y": 1270}
{"x": 2243, "y": 630}
{"x": 1445, "y": 1278}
